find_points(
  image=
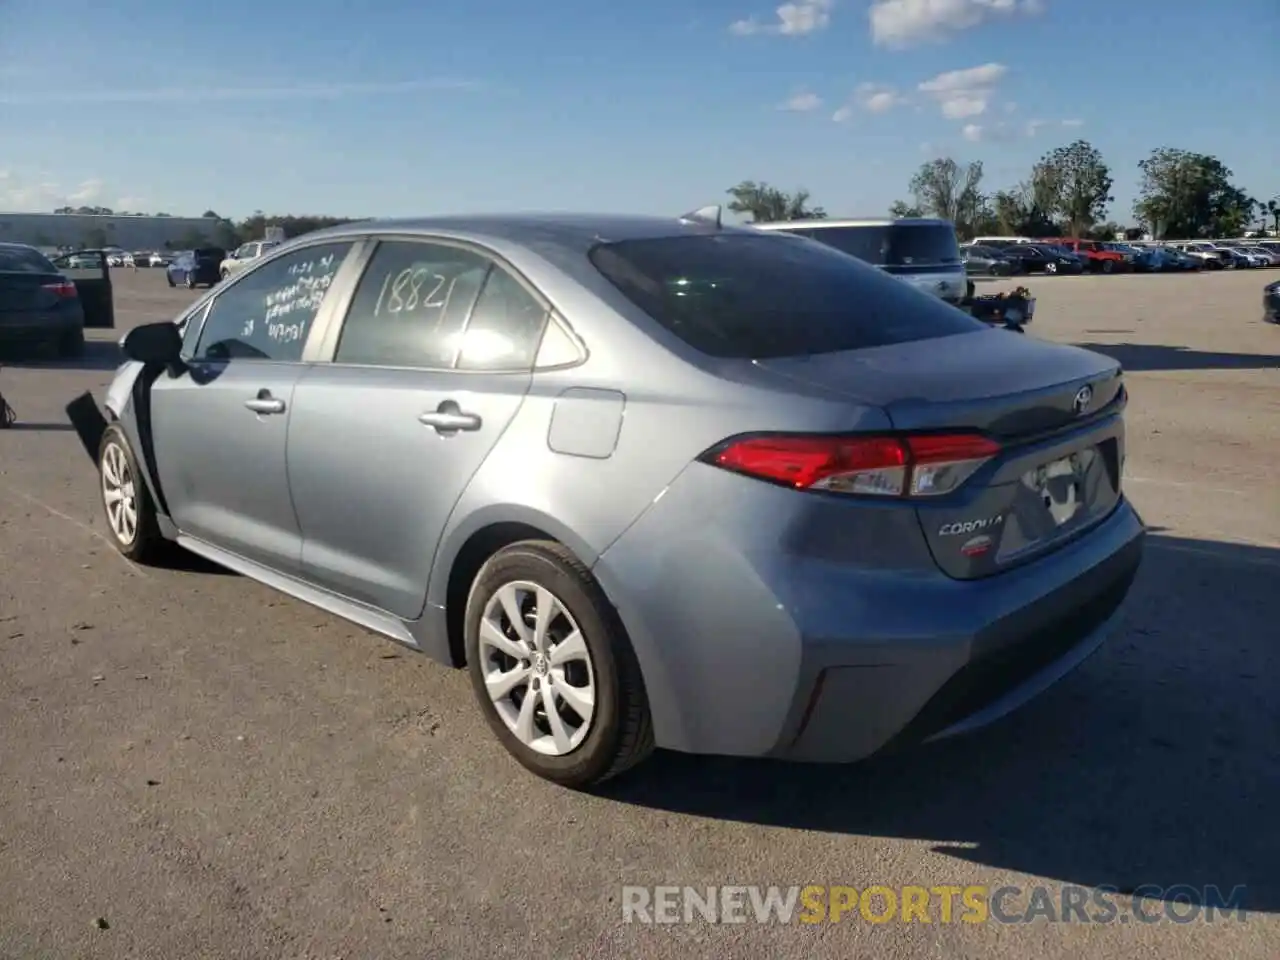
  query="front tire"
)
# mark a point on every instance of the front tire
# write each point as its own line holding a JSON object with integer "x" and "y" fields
{"x": 131, "y": 515}
{"x": 191, "y": 282}
{"x": 552, "y": 667}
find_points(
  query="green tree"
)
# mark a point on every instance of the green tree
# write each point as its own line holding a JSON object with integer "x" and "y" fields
{"x": 211, "y": 215}
{"x": 901, "y": 210}
{"x": 949, "y": 190}
{"x": 191, "y": 239}
{"x": 1187, "y": 195}
{"x": 1273, "y": 211}
{"x": 766, "y": 204}
{"x": 1074, "y": 183}
{"x": 226, "y": 236}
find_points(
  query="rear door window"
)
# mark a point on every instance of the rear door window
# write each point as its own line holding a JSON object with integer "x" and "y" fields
{"x": 756, "y": 295}
{"x": 411, "y": 306}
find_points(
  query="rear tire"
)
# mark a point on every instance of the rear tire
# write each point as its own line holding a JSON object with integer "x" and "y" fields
{"x": 191, "y": 282}
{"x": 71, "y": 343}
{"x": 132, "y": 527}
{"x": 1050, "y": 268}
{"x": 1108, "y": 266}
{"x": 169, "y": 277}
{"x": 583, "y": 652}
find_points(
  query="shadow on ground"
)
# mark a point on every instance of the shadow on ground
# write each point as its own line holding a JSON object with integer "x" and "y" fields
{"x": 1144, "y": 356}
{"x": 98, "y": 356}
{"x": 1158, "y": 762}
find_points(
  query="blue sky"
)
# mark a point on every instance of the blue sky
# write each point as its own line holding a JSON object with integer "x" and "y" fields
{"x": 393, "y": 107}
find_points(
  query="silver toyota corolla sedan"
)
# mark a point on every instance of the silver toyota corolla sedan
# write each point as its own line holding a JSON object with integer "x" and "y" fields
{"x": 654, "y": 482}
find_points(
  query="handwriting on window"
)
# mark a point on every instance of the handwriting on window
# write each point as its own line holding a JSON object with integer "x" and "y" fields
{"x": 415, "y": 290}
{"x": 289, "y": 309}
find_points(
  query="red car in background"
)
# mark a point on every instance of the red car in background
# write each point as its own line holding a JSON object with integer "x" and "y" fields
{"x": 1096, "y": 256}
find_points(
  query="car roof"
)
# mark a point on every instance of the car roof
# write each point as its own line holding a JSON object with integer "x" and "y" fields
{"x": 829, "y": 223}
{"x": 577, "y": 232}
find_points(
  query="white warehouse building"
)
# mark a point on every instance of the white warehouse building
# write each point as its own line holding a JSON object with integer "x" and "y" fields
{"x": 104, "y": 230}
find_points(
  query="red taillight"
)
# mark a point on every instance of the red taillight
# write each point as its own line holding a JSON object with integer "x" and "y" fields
{"x": 921, "y": 465}
{"x": 63, "y": 288}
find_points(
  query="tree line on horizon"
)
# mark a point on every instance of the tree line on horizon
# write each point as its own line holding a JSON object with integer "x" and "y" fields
{"x": 222, "y": 231}
{"x": 1183, "y": 195}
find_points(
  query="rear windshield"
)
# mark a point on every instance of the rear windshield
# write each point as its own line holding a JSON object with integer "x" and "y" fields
{"x": 892, "y": 245}
{"x": 758, "y": 296}
{"x": 24, "y": 260}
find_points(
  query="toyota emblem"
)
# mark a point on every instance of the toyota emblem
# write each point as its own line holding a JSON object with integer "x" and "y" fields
{"x": 1084, "y": 397}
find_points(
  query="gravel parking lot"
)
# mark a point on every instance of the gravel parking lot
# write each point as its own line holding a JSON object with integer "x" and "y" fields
{"x": 214, "y": 770}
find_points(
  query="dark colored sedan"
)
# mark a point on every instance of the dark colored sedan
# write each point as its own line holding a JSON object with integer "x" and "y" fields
{"x": 38, "y": 305}
{"x": 1044, "y": 258}
{"x": 194, "y": 267}
{"x": 988, "y": 262}
{"x": 1271, "y": 302}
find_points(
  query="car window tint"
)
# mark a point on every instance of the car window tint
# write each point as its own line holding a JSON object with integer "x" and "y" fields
{"x": 267, "y": 314}
{"x": 505, "y": 327}
{"x": 17, "y": 259}
{"x": 411, "y": 305}
{"x": 745, "y": 295}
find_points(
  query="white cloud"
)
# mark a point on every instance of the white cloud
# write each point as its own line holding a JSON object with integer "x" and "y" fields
{"x": 903, "y": 23}
{"x": 877, "y": 98}
{"x": 1033, "y": 127}
{"x": 86, "y": 192}
{"x": 40, "y": 194}
{"x": 1073, "y": 123}
{"x": 803, "y": 102}
{"x": 871, "y": 98}
{"x": 793, "y": 19}
{"x": 313, "y": 91}
{"x": 965, "y": 93}
{"x": 134, "y": 204}
{"x": 1010, "y": 107}
{"x": 998, "y": 132}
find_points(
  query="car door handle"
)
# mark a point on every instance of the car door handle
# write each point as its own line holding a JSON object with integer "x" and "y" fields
{"x": 449, "y": 418}
{"x": 264, "y": 403}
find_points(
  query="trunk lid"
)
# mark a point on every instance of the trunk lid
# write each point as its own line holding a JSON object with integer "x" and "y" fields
{"x": 25, "y": 292}
{"x": 1056, "y": 411}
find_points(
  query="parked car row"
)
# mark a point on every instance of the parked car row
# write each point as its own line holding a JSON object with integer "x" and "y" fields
{"x": 1011, "y": 256}
{"x": 138, "y": 258}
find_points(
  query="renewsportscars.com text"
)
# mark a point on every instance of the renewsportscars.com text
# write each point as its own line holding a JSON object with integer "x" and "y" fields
{"x": 818, "y": 904}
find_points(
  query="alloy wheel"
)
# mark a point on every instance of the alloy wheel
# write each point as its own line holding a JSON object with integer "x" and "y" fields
{"x": 537, "y": 668}
{"x": 119, "y": 494}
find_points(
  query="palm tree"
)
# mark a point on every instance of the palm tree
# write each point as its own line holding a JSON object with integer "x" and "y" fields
{"x": 768, "y": 204}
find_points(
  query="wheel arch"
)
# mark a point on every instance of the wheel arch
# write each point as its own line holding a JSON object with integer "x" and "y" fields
{"x": 470, "y": 543}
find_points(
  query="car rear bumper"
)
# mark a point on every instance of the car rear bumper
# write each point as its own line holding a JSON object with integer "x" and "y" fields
{"x": 38, "y": 327}
{"x": 750, "y": 649}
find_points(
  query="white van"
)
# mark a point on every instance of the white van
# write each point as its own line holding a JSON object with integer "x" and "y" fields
{"x": 923, "y": 252}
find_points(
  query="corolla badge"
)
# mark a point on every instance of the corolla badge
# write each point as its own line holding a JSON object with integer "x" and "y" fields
{"x": 1084, "y": 397}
